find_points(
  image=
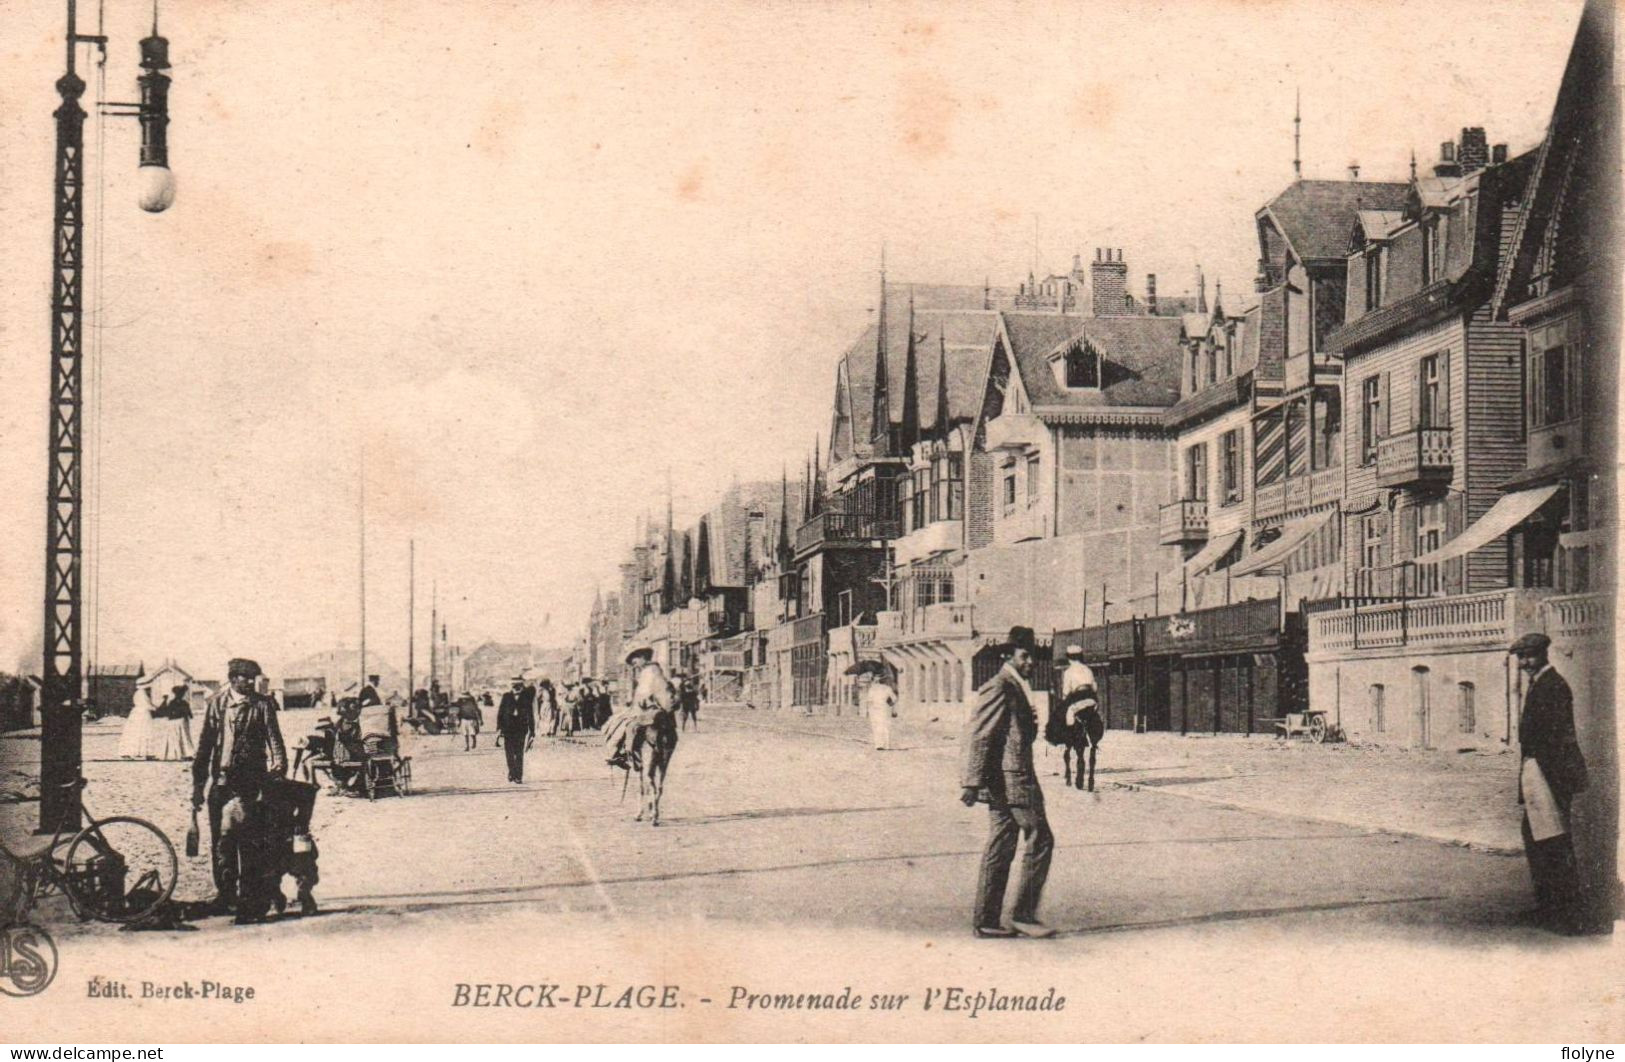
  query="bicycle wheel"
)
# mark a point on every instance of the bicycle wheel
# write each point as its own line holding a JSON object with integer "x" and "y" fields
{"x": 120, "y": 869}
{"x": 16, "y": 889}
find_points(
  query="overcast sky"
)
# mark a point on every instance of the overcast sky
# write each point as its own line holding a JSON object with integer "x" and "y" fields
{"x": 532, "y": 254}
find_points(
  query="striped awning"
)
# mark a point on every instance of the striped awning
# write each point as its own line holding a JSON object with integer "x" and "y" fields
{"x": 1209, "y": 555}
{"x": 1508, "y": 512}
{"x": 1278, "y": 551}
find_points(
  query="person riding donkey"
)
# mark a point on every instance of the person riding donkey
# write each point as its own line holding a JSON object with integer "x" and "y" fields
{"x": 643, "y": 738}
{"x": 651, "y": 696}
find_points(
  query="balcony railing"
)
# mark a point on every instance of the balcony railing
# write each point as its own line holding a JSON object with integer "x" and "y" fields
{"x": 1305, "y": 490}
{"x": 831, "y": 528}
{"x": 1577, "y": 616}
{"x": 1420, "y": 456}
{"x": 1467, "y": 621}
{"x": 1183, "y": 521}
{"x": 1270, "y": 498}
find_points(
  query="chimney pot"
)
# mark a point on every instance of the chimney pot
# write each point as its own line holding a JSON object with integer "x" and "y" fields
{"x": 1498, "y": 154}
{"x": 1447, "y": 151}
{"x": 1354, "y": 171}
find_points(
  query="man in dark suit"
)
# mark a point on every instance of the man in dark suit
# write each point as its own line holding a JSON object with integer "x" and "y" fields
{"x": 239, "y": 751}
{"x": 1552, "y": 774}
{"x": 998, "y": 748}
{"x": 516, "y": 722}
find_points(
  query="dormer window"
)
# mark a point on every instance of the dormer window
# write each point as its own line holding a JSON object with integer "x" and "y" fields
{"x": 1082, "y": 367}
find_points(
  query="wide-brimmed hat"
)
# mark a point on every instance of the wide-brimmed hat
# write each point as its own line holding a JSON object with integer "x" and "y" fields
{"x": 640, "y": 656}
{"x": 1074, "y": 650}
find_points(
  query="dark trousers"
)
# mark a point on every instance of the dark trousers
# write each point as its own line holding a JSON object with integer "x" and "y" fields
{"x": 513, "y": 746}
{"x": 1005, "y": 824}
{"x": 237, "y": 846}
{"x": 1555, "y": 873}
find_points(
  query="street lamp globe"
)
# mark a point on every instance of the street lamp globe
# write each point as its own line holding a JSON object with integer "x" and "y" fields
{"x": 157, "y": 188}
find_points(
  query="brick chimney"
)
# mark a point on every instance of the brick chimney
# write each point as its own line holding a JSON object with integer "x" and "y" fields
{"x": 1151, "y": 294}
{"x": 1108, "y": 276}
{"x": 1474, "y": 152}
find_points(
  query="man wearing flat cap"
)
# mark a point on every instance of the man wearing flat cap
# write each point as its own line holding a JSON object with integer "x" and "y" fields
{"x": 238, "y": 750}
{"x": 998, "y": 749}
{"x": 1551, "y": 775}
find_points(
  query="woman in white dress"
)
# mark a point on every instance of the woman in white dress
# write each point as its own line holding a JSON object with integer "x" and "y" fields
{"x": 137, "y": 733}
{"x": 880, "y": 702}
{"x": 171, "y": 736}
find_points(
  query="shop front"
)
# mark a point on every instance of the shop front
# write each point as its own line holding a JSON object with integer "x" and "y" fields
{"x": 1233, "y": 669}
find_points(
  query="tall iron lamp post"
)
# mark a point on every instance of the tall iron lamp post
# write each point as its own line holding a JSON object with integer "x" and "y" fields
{"x": 62, "y": 673}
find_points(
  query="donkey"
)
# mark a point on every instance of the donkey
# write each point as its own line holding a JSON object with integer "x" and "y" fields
{"x": 653, "y": 744}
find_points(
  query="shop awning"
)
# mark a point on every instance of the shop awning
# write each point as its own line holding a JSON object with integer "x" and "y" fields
{"x": 1208, "y": 555}
{"x": 1281, "y": 548}
{"x": 1508, "y": 512}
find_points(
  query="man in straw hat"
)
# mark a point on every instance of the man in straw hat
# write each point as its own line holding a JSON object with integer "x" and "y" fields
{"x": 1551, "y": 775}
{"x": 998, "y": 747}
{"x": 239, "y": 749}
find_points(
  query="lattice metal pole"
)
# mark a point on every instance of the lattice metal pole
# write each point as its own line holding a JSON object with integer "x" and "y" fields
{"x": 62, "y": 676}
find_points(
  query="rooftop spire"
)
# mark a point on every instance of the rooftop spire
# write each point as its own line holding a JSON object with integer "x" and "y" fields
{"x": 1297, "y": 130}
{"x": 784, "y": 518}
{"x": 941, "y": 420}
{"x": 880, "y": 427}
{"x": 909, "y": 433}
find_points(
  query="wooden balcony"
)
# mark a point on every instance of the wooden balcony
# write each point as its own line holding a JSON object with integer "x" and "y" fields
{"x": 1182, "y": 521}
{"x": 844, "y": 529}
{"x": 1299, "y": 493}
{"x": 1415, "y": 457}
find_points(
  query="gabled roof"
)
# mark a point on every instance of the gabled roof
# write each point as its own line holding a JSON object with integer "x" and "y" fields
{"x": 1140, "y": 356}
{"x": 1316, "y": 217}
{"x": 1583, "y": 129}
{"x": 969, "y": 335}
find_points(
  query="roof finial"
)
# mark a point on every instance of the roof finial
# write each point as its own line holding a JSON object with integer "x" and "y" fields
{"x": 1297, "y": 131}
{"x": 1413, "y": 165}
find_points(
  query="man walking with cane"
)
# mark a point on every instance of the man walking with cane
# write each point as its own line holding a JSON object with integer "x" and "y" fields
{"x": 998, "y": 748}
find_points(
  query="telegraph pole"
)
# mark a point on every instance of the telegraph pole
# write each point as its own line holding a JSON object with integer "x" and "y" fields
{"x": 411, "y": 617}
{"x": 62, "y": 666}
